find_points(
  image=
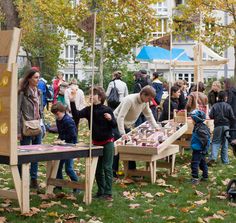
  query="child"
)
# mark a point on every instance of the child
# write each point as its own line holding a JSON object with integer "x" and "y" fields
{"x": 223, "y": 115}
{"x": 103, "y": 122}
{"x": 200, "y": 143}
{"x": 68, "y": 132}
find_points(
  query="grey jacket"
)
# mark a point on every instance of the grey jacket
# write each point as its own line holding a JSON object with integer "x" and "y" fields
{"x": 26, "y": 108}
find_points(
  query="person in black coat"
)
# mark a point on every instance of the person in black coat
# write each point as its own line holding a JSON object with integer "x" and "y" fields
{"x": 102, "y": 135}
{"x": 174, "y": 103}
{"x": 231, "y": 99}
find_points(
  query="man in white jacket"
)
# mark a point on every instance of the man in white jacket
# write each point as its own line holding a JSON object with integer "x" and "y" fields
{"x": 128, "y": 112}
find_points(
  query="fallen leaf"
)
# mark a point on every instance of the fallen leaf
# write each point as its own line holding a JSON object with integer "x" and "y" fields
{"x": 3, "y": 220}
{"x": 148, "y": 195}
{"x": 232, "y": 204}
{"x": 215, "y": 216}
{"x": 221, "y": 197}
{"x": 52, "y": 214}
{"x": 206, "y": 209}
{"x": 200, "y": 220}
{"x": 32, "y": 212}
{"x": 159, "y": 194}
{"x": 222, "y": 212}
{"x": 199, "y": 193}
{"x": 47, "y": 196}
{"x": 80, "y": 209}
{"x": 69, "y": 216}
{"x": 201, "y": 202}
{"x": 149, "y": 211}
{"x": 133, "y": 206}
{"x": 170, "y": 218}
{"x": 225, "y": 182}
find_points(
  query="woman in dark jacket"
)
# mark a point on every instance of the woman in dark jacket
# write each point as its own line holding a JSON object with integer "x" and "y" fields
{"x": 213, "y": 93}
{"x": 30, "y": 107}
{"x": 174, "y": 103}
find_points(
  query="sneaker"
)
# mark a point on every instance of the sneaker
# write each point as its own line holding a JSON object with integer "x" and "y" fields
{"x": 211, "y": 162}
{"x": 195, "y": 181}
{"x": 204, "y": 179}
{"x": 98, "y": 195}
{"x": 107, "y": 197}
{"x": 34, "y": 184}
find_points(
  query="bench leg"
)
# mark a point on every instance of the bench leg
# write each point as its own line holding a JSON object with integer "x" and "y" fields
{"x": 25, "y": 204}
{"x": 172, "y": 164}
{"x": 52, "y": 168}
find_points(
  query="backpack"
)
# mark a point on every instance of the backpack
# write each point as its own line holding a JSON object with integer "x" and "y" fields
{"x": 113, "y": 98}
{"x": 49, "y": 93}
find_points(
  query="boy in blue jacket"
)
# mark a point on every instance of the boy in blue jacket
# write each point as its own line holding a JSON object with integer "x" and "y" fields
{"x": 68, "y": 132}
{"x": 200, "y": 143}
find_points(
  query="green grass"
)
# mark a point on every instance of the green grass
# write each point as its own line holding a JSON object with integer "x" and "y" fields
{"x": 179, "y": 204}
{"x": 176, "y": 204}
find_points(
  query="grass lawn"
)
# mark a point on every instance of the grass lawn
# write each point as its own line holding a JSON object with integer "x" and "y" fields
{"x": 170, "y": 199}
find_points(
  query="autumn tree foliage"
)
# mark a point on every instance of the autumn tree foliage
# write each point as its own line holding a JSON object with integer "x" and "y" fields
{"x": 211, "y": 21}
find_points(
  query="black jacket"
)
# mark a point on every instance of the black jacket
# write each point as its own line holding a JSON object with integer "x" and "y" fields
{"x": 173, "y": 105}
{"x": 222, "y": 114}
{"x": 232, "y": 98}
{"x": 212, "y": 97}
{"x": 102, "y": 128}
{"x": 139, "y": 84}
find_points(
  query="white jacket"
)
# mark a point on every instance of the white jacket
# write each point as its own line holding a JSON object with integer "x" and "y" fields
{"x": 120, "y": 85}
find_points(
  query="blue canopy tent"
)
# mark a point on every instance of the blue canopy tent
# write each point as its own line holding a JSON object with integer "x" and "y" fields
{"x": 158, "y": 54}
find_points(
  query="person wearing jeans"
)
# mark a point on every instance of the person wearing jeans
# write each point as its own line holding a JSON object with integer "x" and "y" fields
{"x": 67, "y": 131}
{"x": 223, "y": 115}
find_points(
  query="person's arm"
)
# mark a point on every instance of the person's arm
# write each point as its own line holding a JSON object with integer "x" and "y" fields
{"x": 149, "y": 116}
{"x": 110, "y": 86}
{"x": 203, "y": 133}
{"x": 212, "y": 112}
{"x": 126, "y": 91}
{"x": 67, "y": 99}
{"x": 109, "y": 116}
{"x": 123, "y": 110}
{"x": 71, "y": 132}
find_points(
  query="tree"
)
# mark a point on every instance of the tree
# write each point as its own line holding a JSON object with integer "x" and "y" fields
{"x": 121, "y": 26}
{"x": 200, "y": 21}
{"x": 10, "y": 14}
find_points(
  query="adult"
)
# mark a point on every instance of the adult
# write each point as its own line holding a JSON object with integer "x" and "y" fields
{"x": 213, "y": 93}
{"x": 182, "y": 98}
{"x": 230, "y": 89}
{"x": 174, "y": 103}
{"x": 30, "y": 107}
{"x": 197, "y": 99}
{"x": 158, "y": 86}
{"x": 56, "y": 88}
{"x": 74, "y": 90}
{"x": 140, "y": 81}
{"x": 128, "y": 112}
{"x": 120, "y": 85}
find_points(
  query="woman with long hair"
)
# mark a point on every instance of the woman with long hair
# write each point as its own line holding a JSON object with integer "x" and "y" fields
{"x": 30, "y": 107}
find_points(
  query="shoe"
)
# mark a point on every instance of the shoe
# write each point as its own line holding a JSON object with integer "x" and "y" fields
{"x": 34, "y": 184}
{"x": 211, "y": 162}
{"x": 204, "y": 179}
{"x": 107, "y": 197}
{"x": 195, "y": 181}
{"x": 98, "y": 195}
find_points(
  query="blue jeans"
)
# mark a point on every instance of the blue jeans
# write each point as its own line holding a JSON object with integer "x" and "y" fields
{"x": 69, "y": 168}
{"x": 199, "y": 161}
{"x": 34, "y": 140}
{"x": 219, "y": 140}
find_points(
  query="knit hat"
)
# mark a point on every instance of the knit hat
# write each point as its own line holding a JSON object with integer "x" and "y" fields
{"x": 198, "y": 116}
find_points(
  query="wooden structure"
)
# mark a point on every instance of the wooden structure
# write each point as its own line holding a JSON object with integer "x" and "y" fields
{"x": 149, "y": 145}
{"x": 9, "y": 152}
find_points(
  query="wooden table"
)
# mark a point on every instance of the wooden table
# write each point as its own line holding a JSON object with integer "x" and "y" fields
{"x": 52, "y": 154}
{"x": 150, "y": 153}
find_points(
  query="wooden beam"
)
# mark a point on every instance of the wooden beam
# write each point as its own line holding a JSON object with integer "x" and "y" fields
{"x": 11, "y": 194}
{"x": 65, "y": 183}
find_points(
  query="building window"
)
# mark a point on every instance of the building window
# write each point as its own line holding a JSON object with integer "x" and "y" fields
{"x": 189, "y": 77}
{"x": 70, "y": 51}
{"x": 161, "y": 7}
{"x": 70, "y": 34}
{"x": 161, "y": 28}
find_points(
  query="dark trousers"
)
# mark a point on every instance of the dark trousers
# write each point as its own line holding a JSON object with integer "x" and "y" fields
{"x": 199, "y": 161}
{"x": 154, "y": 112}
{"x": 104, "y": 170}
{"x": 115, "y": 167}
{"x": 141, "y": 119}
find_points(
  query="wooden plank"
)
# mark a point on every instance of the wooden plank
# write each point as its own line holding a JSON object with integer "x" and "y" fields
{"x": 25, "y": 205}
{"x": 6, "y": 38}
{"x": 90, "y": 165}
{"x": 51, "y": 173}
{"x": 13, "y": 117}
{"x": 65, "y": 183}
{"x": 8, "y": 194}
{"x": 17, "y": 182}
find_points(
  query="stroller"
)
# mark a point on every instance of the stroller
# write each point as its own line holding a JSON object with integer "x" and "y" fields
{"x": 231, "y": 188}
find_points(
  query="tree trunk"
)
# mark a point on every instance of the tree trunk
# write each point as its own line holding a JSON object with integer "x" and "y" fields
{"x": 11, "y": 15}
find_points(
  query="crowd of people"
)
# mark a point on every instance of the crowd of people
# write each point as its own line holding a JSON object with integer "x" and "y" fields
{"x": 115, "y": 120}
